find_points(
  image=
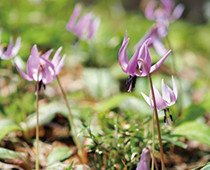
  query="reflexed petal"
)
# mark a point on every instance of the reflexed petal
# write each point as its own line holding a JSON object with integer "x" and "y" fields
{"x": 145, "y": 55}
{"x": 122, "y": 56}
{"x": 60, "y": 65}
{"x": 25, "y": 76}
{"x": 159, "y": 47}
{"x": 71, "y": 23}
{"x": 56, "y": 57}
{"x": 149, "y": 11}
{"x": 8, "y": 53}
{"x": 147, "y": 99}
{"x": 160, "y": 62}
{"x": 33, "y": 61}
{"x": 93, "y": 28}
{"x": 168, "y": 5}
{"x": 132, "y": 64}
{"x": 48, "y": 75}
{"x": 177, "y": 12}
{"x": 160, "y": 103}
{"x": 16, "y": 48}
{"x": 83, "y": 25}
{"x": 47, "y": 54}
{"x": 174, "y": 87}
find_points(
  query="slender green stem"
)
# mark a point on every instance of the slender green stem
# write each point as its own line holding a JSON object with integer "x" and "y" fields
{"x": 156, "y": 115}
{"x": 153, "y": 140}
{"x": 37, "y": 120}
{"x": 73, "y": 126}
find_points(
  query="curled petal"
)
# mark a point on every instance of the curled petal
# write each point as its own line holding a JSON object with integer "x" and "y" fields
{"x": 168, "y": 5}
{"x": 47, "y": 54}
{"x": 25, "y": 76}
{"x": 160, "y": 62}
{"x": 33, "y": 61}
{"x": 149, "y": 11}
{"x": 159, "y": 47}
{"x": 83, "y": 25}
{"x": 147, "y": 99}
{"x": 93, "y": 28}
{"x": 16, "y": 48}
{"x": 72, "y": 21}
{"x": 177, "y": 12}
{"x": 174, "y": 87}
{"x": 132, "y": 64}
{"x": 8, "y": 53}
{"x": 60, "y": 65}
{"x": 167, "y": 94}
{"x": 122, "y": 56}
{"x": 160, "y": 103}
{"x": 56, "y": 57}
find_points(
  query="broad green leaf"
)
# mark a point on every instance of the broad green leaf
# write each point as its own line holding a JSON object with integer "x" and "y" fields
{"x": 112, "y": 102}
{"x": 206, "y": 167}
{"x": 9, "y": 154}
{"x": 194, "y": 131}
{"x": 192, "y": 113}
{"x": 100, "y": 83}
{"x": 7, "y": 126}
{"x": 56, "y": 166}
{"x": 174, "y": 141}
{"x": 58, "y": 154}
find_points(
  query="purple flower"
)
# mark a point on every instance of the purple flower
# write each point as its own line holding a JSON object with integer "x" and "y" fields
{"x": 47, "y": 69}
{"x": 11, "y": 50}
{"x": 86, "y": 27}
{"x": 144, "y": 163}
{"x": 165, "y": 13}
{"x": 156, "y": 34}
{"x": 134, "y": 67}
{"x": 168, "y": 97}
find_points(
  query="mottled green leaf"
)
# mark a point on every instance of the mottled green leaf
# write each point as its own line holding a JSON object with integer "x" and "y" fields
{"x": 194, "y": 131}
{"x": 58, "y": 154}
{"x": 7, "y": 126}
{"x": 9, "y": 154}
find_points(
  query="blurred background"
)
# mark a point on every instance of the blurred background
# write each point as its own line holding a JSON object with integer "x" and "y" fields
{"x": 92, "y": 77}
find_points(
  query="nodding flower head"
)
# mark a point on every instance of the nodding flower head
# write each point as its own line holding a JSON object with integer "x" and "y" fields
{"x": 86, "y": 27}
{"x": 135, "y": 67}
{"x": 11, "y": 51}
{"x": 144, "y": 163}
{"x": 164, "y": 12}
{"x": 167, "y": 99}
{"x": 40, "y": 68}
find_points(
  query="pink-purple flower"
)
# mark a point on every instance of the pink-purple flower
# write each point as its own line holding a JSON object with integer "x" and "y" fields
{"x": 11, "y": 51}
{"x": 156, "y": 34}
{"x": 144, "y": 163}
{"x": 167, "y": 99}
{"x": 165, "y": 12}
{"x": 135, "y": 67}
{"x": 85, "y": 27}
{"x": 40, "y": 68}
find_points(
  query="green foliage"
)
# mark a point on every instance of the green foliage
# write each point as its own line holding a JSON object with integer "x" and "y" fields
{"x": 194, "y": 131}
{"x": 9, "y": 154}
{"x": 59, "y": 153}
{"x": 7, "y": 126}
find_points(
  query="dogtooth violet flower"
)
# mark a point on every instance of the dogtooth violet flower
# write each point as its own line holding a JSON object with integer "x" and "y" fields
{"x": 156, "y": 33}
{"x": 48, "y": 70}
{"x": 168, "y": 98}
{"x": 85, "y": 27}
{"x": 135, "y": 68}
{"x": 164, "y": 12}
{"x": 144, "y": 163}
{"x": 11, "y": 51}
